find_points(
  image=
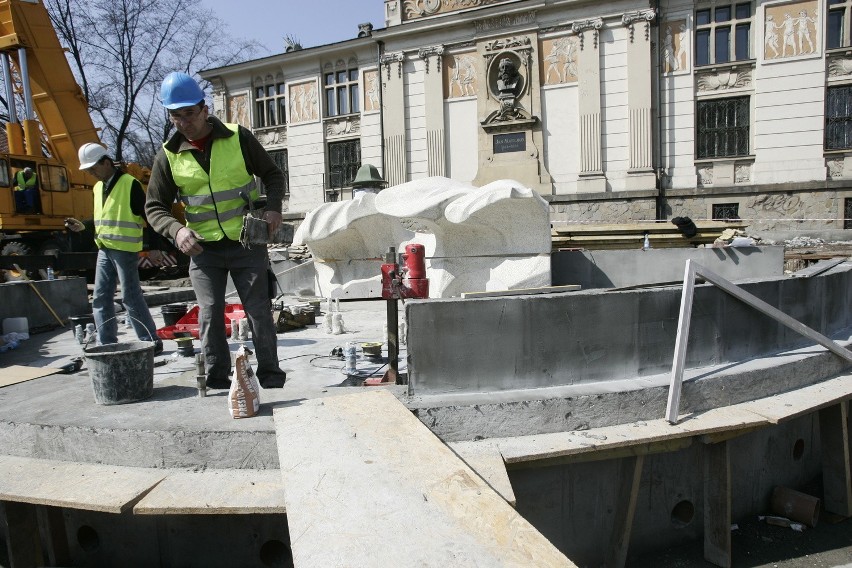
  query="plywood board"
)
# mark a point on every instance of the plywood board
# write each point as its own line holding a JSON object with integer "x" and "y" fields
{"x": 215, "y": 492}
{"x": 486, "y": 460}
{"x": 92, "y": 487}
{"x": 789, "y": 405}
{"x": 368, "y": 484}
{"x": 14, "y": 374}
{"x": 560, "y": 444}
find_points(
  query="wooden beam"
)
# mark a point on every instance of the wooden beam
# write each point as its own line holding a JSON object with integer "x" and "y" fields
{"x": 836, "y": 478}
{"x": 630, "y": 475}
{"x": 717, "y": 504}
{"x": 54, "y": 540}
{"x": 22, "y": 544}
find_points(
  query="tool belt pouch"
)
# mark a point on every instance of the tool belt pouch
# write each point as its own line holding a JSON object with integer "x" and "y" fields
{"x": 255, "y": 231}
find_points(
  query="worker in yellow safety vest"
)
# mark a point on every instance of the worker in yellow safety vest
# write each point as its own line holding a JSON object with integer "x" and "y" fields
{"x": 26, "y": 191}
{"x": 210, "y": 167}
{"x": 119, "y": 210}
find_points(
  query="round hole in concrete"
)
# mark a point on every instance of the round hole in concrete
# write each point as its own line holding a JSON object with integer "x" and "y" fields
{"x": 682, "y": 513}
{"x": 87, "y": 538}
{"x": 798, "y": 449}
{"x": 276, "y": 554}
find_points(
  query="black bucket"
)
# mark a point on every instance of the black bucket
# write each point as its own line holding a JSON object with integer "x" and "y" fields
{"x": 121, "y": 372}
{"x": 173, "y": 312}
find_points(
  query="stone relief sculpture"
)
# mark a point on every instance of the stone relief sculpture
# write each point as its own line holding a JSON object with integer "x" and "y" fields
{"x": 494, "y": 237}
{"x": 675, "y": 47}
{"x": 560, "y": 63}
{"x": 462, "y": 81}
{"x": 422, "y": 8}
{"x": 303, "y": 102}
{"x": 791, "y": 30}
{"x": 371, "y": 80}
{"x": 238, "y": 110}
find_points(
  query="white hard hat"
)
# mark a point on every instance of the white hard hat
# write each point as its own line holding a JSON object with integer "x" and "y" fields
{"x": 90, "y": 154}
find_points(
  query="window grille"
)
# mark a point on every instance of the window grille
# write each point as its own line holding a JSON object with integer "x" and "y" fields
{"x": 847, "y": 213}
{"x": 280, "y": 159}
{"x": 723, "y": 127}
{"x": 270, "y": 105}
{"x": 342, "y": 92}
{"x": 837, "y": 26}
{"x": 726, "y": 211}
{"x": 344, "y": 159}
{"x": 723, "y": 33}
{"x": 838, "y": 118}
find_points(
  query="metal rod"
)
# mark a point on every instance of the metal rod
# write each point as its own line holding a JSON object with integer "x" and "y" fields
{"x": 10, "y": 91}
{"x": 25, "y": 83}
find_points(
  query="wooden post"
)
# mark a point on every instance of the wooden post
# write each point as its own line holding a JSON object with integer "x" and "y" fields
{"x": 717, "y": 504}
{"x": 834, "y": 438}
{"x": 54, "y": 541}
{"x": 629, "y": 476}
{"x": 22, "y": 541}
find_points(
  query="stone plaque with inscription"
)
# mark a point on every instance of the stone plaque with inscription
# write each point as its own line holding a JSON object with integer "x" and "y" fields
{"x": 512, "y": 142}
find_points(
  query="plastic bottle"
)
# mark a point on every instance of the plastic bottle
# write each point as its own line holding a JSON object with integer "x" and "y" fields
{"x": 79, "y": 334}
{"x": 327, "y": 324}
{"x": 50, "y": 273}
{"x": 337, "y": 324}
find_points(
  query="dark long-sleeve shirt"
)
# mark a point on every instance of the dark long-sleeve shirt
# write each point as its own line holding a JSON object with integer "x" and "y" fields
{"x": 162, "y": 189}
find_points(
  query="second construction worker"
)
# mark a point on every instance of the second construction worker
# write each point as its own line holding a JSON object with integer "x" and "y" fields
{"x": 119, "y": 210}
{"x": 210, "y": 167}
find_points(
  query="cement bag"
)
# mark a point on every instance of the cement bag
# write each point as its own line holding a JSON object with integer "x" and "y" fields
{"x": 244, "y": 394}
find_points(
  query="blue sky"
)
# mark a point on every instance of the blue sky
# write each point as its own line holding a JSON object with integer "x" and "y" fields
{"x": 312, "y": 22}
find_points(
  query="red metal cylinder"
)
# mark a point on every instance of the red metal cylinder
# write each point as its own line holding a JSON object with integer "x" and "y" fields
{"x": 414, "y": 258}
{"x": 389, "y": 272}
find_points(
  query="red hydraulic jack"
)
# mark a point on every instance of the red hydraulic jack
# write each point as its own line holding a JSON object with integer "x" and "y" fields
{"x": 400, "y": 284}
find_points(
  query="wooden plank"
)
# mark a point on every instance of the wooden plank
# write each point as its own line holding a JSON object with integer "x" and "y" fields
{"x": 486, "y": 460}
{"x": 630, "y": 475}
{"x": 789, "y": 405}
{"x": 92, "y": 487}
{"x": 717, "y": 504}
{"x": 369, "y": 484}
{"x": 54, "y": 541}
{"x": 575, "y": 444}
{"x": 14, "y": 374}
{"x": 215, "y": 492}
{"x": 836, "y": 478}
{"x": 523, "y": 291}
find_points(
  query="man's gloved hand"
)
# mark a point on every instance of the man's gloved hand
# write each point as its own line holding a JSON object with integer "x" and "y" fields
{"x": 187, "y": 241}
{"x": 274, "y": 220}
{"x": 74, "y": 225}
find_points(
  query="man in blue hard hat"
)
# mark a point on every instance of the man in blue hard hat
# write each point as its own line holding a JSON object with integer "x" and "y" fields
{"x": 211, "y": 167}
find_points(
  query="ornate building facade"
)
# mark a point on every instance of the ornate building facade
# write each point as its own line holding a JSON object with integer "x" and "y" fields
{"x": 615, "y": 112}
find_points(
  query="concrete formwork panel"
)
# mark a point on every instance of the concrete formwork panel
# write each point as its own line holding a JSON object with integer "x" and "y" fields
{"x": 66, "y": 297}
{"x": 487, "y": 345}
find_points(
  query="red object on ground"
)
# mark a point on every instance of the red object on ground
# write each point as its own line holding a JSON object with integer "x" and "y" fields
{"x": 189, "y": 322}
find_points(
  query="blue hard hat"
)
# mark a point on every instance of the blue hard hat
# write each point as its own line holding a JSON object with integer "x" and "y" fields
{"x": 180, "y": 90}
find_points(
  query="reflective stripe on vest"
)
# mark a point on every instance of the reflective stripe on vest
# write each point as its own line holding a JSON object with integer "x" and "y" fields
{"x": 24, "y": 183}
{"x": 116, "y": 227}
{"x": 214, "y": 207}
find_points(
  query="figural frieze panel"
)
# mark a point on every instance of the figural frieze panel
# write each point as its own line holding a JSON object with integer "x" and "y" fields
{"x": 460, "y": 75}
{"x": 675, "y": 46}
{"x": 791, "y": 30}
{"x": 415, "y": 9}
{"x": 304, "y": 102}
{"x": 372, "y": 86}
{"x": 238, "y": 110}
{"x": 559, "y": 60}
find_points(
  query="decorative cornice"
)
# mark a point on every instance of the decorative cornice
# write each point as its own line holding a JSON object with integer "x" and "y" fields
{"x": 580, "y": 26}
{"x": 628, "y": 19}
{"x": 426, "y": 52}
{"x": 388, "y": 58}
{"x": 503, "y": 22}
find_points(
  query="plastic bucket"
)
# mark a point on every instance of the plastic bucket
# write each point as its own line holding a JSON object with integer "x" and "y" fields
{"x": 172, "y": 313}
{"x": 121, "y": 372}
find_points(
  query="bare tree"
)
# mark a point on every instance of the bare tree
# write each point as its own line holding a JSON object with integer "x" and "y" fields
{"x": 120, "y": 51}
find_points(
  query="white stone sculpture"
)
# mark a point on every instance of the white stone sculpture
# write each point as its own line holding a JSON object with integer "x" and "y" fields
{"x": 495, "y": 237}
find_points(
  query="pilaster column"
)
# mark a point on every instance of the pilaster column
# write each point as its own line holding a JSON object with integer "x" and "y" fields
{"x": 640, "y": 174}
{"x": 393, "y": 117}
{"x": 433, "y": 87}
{"x": 589, "y": 84}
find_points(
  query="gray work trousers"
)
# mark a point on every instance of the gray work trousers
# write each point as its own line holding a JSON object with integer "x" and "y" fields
{"x": 248, "y": 269}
